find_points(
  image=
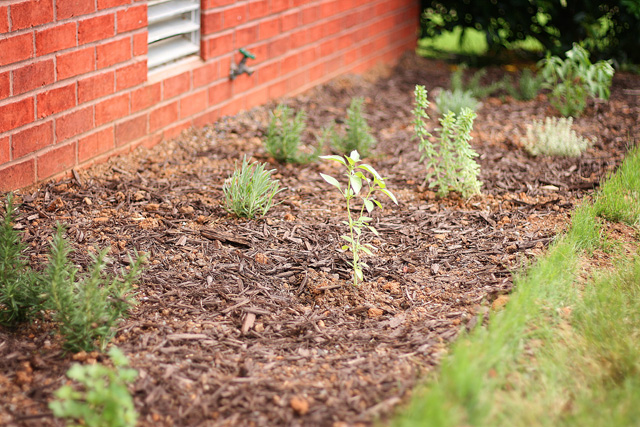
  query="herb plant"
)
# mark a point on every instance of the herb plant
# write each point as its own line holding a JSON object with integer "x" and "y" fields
{"x": 450, "y": 163}
{"x": 356, "y": 180}
{"x": 284, "y": 135}
{"x": 554, "y": 137}
{"x": 249, "y": 191}
{"x": 455, "y": 101}
{"x": 357, "y": 136}
{"x": 575, "y": 79}
{"x": 103, "y": 400}
{"x": 87, "y": 307}
{"x": 20, "y": 287}
{"x": 529, "y": 85}
{"x": 473, "y": 85}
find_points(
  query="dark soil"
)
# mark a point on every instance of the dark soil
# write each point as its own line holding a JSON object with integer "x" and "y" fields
{"x": 256, "y": 322}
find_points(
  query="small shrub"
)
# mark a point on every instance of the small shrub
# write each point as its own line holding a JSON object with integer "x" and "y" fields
{"x": 575, "y": 79}
{"x": 528, "y": 86}
{"x": 355, "y": 180}
{"x": 473, "y": 85}
{"x": 455, "y": 101}
{"x": 554, "y": 137}
{"x": 357, "y": 136}
{"x": 450, "y": 163}
{"x": 20, "y": 287}
{"x": 284, "y": 136}
{"x": 250, "y": 190}
{"x": 103, "y": 399}
{"x": 87, "y": 307}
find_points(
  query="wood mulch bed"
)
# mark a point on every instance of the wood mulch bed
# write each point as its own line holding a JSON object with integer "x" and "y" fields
{"x": 255, "y": 322}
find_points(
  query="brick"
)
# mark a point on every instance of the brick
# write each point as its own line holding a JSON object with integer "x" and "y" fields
{"x": 279, "y": 5}
{"x": 247, "y": 35}
{"x": 73, "y": 124}
{"x": 310, "y": 14}
{"x": 329, "y": 9}
{"x": 267, "y": 73}
{"x": 210, "y": 4}
{"x": 217, "y": 46}
{"x": 193, "y": 104}
{"x": 33, "y": 76}
{"x": 32, "y": 139}
{"x": 106, "y": 4}
{"x": 289, "y": 64}
{"x": 132, "y": 18}
{"x": 290, "y": 20}
{"x": 220, "y": 92}
{"x": 131, "y": 129}
{"x": 211, "y": 22}
{"x": 56, "y": 38}
{"x": 95, "y": 144}
{"x": 75, "y": 63}
{"x": 234, "y": 16}
{"x": 31, "y": 14}
{"x": 163, "y": 116}
{"x": 17, "y": 176}
{"x": 243, "y": 83}
{"x": 270, "y": 28}
{"x": 140, "y": 45}
{"x": 5, "y": 150}
{"x": 57, "y": 160}
{"x": 97, "y": 28}
{"x": 277, "y": 90}
{"x": 258, "y": 97}
{"x": 175, "y": 130}
{"x": 16, "y": 114}
{"x": 279, "y": 46}
{"x": 16, "y": 48}
{"x": 5, "y": 85}
{"x": 4, "y": 19}
{"x": 233, "y": 107}
{"x": 205, "y": 74}
{"x": 175, "y": 85}
{"x": 112, "y": 109}
{"x": 131, "y": 75}
{"x": 55, "y": 100}
{"x": 70, "y": 8}
{"x": 258, "y": 9}
{"x": 113, "y": 52}
{"x": 96, "y": 86}
{"x": 145, "y": 97}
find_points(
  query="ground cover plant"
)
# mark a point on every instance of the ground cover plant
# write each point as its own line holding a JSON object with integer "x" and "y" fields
{"x": 356, "y": 135}
{"x": 246, "y": 321}
{"x": 554, "y": 137}
{"x": 284, "y": 135}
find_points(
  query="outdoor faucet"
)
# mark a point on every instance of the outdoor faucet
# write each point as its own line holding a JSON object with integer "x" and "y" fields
{"x": 236, "y": 70}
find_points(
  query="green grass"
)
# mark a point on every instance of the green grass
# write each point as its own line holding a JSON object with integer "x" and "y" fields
{"x": 474, "y": 43}
{"x": 562, "y": 352}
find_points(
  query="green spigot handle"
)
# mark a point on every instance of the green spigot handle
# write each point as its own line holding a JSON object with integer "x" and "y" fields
{"x": 247, "y": 54}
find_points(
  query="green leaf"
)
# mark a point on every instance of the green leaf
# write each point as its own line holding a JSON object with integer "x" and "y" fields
{"x": 366, "y": 250}
{"x": 331, "y": 180}
{"x": 390, "y": 195}
{"x": 368, "y": 204}
{"x": 335, "y": 158}
{"x": 347, "y": 238}
{"x": 356, "y": 184}
{"x": 373, "y": 230}
{"x": 371, "y": 170}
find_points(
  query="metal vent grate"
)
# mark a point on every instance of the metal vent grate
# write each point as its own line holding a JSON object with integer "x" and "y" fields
{"x": 174, "y": 31}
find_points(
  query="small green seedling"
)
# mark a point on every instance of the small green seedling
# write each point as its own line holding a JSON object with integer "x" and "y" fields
{"x": 357, "y": 136}
{"x": 555, "y": 137}
{"x": 575, "y": 79}
{"x": 284, "y": 136}
{"x": 249, "y": 191}
{"x": 450, "y": 163}
{"x": 356, "y": 179}
{"x": 455, "y": 101}
{"x": 104, "y": 400}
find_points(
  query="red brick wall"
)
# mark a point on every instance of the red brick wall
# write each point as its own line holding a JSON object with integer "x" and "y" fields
{"x": 73, "y": 73}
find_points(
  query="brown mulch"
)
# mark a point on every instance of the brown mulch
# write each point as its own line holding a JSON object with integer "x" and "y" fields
{"x": 255, "y": 322}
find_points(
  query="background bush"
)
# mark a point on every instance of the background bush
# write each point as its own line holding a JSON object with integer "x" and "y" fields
{"x": 609, "y": 28}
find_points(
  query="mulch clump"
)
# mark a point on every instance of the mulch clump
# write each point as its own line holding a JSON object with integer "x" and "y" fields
{"x": 256, "y": 322}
